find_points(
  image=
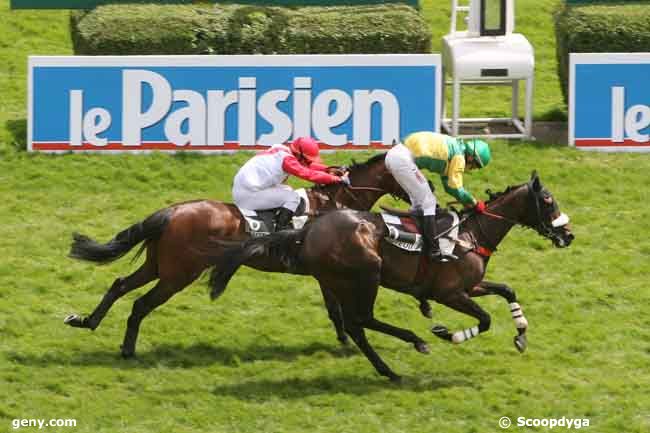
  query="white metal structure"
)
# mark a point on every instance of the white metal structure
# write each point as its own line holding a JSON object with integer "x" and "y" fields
{"x": 487, "y": 53}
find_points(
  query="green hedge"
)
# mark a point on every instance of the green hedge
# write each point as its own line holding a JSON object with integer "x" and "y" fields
{"x": 247, "y": 29}
{"x": 600, "y": 29}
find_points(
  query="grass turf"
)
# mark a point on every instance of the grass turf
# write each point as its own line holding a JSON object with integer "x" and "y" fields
{"x": 264, "y": 356}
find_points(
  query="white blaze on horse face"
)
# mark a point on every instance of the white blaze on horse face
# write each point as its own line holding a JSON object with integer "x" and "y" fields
{"x": 560, "y": 221}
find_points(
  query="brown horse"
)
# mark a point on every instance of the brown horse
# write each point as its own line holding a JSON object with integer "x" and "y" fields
{"x": 346, "y": 252}
{"x": 180, "y": 244}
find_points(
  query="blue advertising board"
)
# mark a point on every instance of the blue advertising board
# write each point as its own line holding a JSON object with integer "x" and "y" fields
{"x": 609, "y": 101}
{"x": 217, "y": 103}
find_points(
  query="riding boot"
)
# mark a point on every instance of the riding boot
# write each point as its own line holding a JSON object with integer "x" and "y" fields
{"x": 283, "y": 219}
{"x": 430, "y": 243}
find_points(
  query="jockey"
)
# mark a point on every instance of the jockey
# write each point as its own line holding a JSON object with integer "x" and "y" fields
{"x": 259, "y": 184}
{"x": 442, "y": 154}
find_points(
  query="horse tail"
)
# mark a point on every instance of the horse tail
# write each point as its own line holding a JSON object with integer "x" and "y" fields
{"x": 85, "y": 248}
{"x": 280, "y": 246}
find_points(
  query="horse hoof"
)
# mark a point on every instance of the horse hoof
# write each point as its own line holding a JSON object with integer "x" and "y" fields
{"x": 345, "y": 341}
{"x": 127, "y": 354}
{"x": 395, "y": 378}
{"x": 426, "y": 311}
{"x": 74, "y": 320}
{"x": 422, "y": 347}
{"x": 521, "y": 343}
{"x": 441, "y": 332}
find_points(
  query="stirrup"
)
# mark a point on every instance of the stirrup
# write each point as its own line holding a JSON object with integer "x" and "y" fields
{"x": 438, "y": 256}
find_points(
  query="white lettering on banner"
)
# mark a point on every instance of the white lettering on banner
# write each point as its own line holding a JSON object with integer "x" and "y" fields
{"x": 218, "y": 103}
{"x": 134, "y": 120}
{"x": 301, "y": 107}
{"x": 363, "y": 100}
{"x": 246, "y": 114}
{"x": 95, "y": 121}
{"x": 628, "y": 123}
{"x": 201, "y": 119}
{"x": 324, "y": 121}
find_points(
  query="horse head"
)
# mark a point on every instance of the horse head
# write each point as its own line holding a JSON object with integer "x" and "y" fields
{"x": 532, "y": 205}
{"x": 544, "y": 216}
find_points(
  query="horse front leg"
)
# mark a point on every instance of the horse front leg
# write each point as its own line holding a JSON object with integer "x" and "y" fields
{"x": 461, "y": 302}
{"x": 506, "y": 292}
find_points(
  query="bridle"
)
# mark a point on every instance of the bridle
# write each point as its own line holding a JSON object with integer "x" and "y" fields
{"x": 542, "y": 227}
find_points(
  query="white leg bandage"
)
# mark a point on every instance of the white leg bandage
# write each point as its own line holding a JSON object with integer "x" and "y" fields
{"x": 466, "y": 334}
{"x": 518, "y": 316}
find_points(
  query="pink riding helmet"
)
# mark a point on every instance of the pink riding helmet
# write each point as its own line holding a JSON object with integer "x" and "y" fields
{"x": 305, "y": 148}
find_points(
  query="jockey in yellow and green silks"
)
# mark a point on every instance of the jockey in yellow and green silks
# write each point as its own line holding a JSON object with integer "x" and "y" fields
{"x": 442, "y": 154}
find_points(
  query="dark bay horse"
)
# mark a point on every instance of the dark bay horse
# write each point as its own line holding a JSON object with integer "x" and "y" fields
{"x": 346, "y": 252}
{"x": 180, "y": 243}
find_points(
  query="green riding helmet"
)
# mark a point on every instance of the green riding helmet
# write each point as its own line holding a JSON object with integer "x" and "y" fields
{"x": 480, "y": 150}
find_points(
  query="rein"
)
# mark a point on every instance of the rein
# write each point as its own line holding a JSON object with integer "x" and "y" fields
{"x": 499, "y": 217}
{"x": 490, "y": 245}
{"x": 348, "y": 189}
{"x": 364, "y": 188}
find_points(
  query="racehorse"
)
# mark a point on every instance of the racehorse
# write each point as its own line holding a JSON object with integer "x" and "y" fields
{"x": 346, "y": 252}
{"x": 182, "y": 240}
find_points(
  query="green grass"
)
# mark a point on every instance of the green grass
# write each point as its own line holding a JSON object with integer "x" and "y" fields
{"x": 264, "y": 356}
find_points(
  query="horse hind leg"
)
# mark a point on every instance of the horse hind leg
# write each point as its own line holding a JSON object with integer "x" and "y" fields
{"x": 357, "y": 300}
{"x": 121, "y": 286}
{"x": 144, "y": 305}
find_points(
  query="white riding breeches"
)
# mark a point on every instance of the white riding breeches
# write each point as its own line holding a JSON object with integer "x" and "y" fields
{"x": 400, "y": 162}
{"x": 269, "y": 198}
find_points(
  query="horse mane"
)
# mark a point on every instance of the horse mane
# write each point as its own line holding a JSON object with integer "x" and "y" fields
{"x": 495, "y": 195}
{"x": 380, "y": 157}
{"x": 374, "y": 159}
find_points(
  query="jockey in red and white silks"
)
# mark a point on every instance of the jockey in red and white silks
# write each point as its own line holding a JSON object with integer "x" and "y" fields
{"x": 259, "y": 184}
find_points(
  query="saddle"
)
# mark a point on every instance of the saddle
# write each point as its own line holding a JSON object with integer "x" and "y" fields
{"x": 405, "y": 233}
{"x": 263, "y": 222}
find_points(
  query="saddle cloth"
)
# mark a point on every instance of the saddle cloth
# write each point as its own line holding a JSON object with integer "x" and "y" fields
{"x": 263, "y": 222}
{"x": 404, "y": 233}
